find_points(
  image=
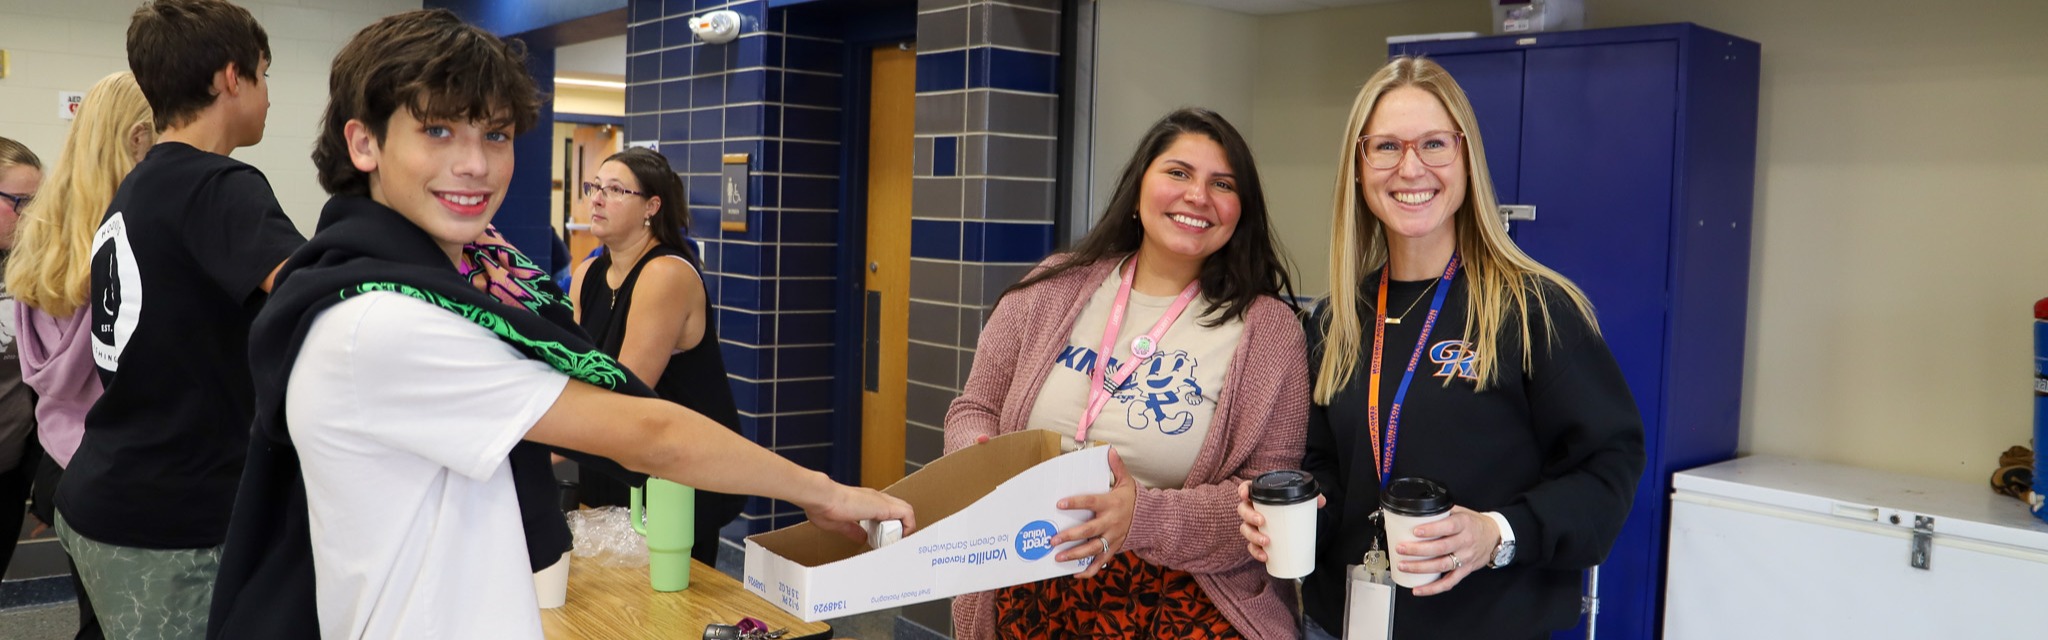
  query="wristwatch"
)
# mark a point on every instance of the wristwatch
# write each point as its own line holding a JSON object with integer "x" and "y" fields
{"x": 1504, "y": 552}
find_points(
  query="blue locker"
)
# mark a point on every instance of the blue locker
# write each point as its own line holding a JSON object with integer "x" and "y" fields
{"x": 1637, "y": 146}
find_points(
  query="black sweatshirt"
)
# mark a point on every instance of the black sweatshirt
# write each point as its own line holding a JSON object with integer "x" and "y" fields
{"x": 1556, "y": 447}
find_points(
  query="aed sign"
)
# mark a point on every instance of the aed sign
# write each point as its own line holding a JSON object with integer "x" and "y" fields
{"x": 68, "y": 103}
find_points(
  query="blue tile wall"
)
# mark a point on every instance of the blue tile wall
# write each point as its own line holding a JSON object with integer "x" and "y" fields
{"x": 810, "y": 123}
{"x": 807, "y": 226}
{"x": 804, "y": 328}
{"x": 823, "y": 56}
{"x": 935, "y": 239}
{"x": 743, "y": 326}
{"x": 809, "y": 158}
{"x": 745, "y": 361}
{"x": 945, "y": 155}
{"x": 675, "y": 63}
{"x": 805, "y": 261}
{"x": 1006, "y": 242}
{"x": 994, "y": 68}
{"x": 753, "y": 397}
{"x": 815, "y": 458}
{"x": 753, "y": 52}
{"x": 944, "y": 71}
{"x": 675, "y": 32}
{"x": 805, "y": 294}
{"x": 959, "y": 255}
{"x": 973, "y": 143}
{"x": 699, "y": 101}
{"x": 641, "y": 98}
{"x": 644, "y": 126}
{"x": 804, "y": 428}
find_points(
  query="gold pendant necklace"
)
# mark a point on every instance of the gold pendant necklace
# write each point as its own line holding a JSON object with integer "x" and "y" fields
{"x": 1412, "y": 305}
{"x": 629, "y": 270}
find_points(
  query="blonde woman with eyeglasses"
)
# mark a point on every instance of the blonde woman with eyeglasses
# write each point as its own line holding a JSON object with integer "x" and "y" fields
{"x": 1444, "y": 352}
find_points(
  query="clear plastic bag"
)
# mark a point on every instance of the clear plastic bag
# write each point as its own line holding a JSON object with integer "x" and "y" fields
{"x": 605, "y": 533}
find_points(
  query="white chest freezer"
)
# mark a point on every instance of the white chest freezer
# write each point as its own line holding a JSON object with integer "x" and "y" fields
{"x": 1778, "y": 547}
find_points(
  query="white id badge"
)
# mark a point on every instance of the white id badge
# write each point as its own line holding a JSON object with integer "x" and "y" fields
{"x": 1369, "y": 606}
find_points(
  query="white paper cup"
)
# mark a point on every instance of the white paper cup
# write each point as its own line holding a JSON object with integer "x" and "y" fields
{"x": 551, "y": 585}
{"x": 1287, "y": 499}
{"x": 1409, "y": 503}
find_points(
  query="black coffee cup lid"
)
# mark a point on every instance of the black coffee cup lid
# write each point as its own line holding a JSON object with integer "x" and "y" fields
{"x": 1416, "y": 497}
{"x": 1285, "y": 486}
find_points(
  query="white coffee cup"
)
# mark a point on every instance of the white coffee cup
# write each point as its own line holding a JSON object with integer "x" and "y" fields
{"x": 1409, "y": 503}
{"x": 1287, "y": 499}
{"x": 551, "y": 585}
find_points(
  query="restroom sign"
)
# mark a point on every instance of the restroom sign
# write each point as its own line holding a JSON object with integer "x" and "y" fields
{"x": 68, "y": 103}
{"x": 732, "y": 193}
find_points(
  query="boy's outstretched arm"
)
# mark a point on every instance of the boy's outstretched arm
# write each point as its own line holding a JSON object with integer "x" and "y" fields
{"x": 669, "y": 441}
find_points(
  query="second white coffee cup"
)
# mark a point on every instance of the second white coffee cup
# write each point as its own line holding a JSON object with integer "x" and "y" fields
{"x": 1409, "y": 503}
{"x": 551, "y": 585}
{"x": 1287, "y": 499}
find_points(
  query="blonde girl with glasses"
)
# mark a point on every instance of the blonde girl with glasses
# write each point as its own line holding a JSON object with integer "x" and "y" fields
{"x": 20, "y": 174}
{"x": 1512, "y": 401}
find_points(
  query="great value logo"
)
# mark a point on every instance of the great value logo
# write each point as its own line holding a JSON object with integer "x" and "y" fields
{"x": 1035, "y": 539}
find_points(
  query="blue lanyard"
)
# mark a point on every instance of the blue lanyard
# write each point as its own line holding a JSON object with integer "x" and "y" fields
{"x": 1384, "y": 451}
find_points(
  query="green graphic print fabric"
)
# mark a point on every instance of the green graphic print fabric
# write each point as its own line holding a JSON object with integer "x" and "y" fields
{"x": 591, "y": 366}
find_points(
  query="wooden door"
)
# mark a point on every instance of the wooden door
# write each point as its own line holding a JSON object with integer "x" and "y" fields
{"x": 892, "y": 120}
{"x": 592, "y": 144}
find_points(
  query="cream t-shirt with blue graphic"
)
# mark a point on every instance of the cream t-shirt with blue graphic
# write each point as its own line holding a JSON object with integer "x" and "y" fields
{"x": 1158, "y": 418}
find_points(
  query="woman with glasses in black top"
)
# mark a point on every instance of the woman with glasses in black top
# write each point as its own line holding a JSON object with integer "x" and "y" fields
{"x": 642, "y": 300}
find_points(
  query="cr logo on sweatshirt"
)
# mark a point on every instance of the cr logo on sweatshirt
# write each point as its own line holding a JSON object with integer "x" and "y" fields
{"x": 1455, "y": 358}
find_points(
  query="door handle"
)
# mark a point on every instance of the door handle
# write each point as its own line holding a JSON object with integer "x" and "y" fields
{"x": 871, "y": 340}
{"x": 1518, "y": 212}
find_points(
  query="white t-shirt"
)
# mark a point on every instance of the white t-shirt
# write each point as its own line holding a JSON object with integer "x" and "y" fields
{"x": 404, "y": 415}
{"x": 1158, "y": 418}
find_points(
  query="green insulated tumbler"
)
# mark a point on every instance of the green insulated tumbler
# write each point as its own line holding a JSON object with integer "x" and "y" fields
{"x": 664, "y": 513}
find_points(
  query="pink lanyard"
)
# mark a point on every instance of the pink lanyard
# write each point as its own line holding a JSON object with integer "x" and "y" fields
{"x": 1142, "y": 347}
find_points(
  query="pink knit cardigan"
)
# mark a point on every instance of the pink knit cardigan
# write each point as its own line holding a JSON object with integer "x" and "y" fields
{"x": 1260, "y": 424}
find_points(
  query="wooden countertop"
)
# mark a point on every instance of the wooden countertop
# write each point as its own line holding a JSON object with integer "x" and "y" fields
{"x": 612, "y": 603}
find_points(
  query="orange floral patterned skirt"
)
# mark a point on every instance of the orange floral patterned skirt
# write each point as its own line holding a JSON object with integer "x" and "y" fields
{"x": 1130, "y": 598}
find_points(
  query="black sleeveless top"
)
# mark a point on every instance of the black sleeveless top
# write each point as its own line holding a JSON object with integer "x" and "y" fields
{"x": 694, "y": 378}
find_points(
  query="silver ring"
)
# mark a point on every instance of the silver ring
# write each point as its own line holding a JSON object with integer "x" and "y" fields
{"x": 1456, "y": 564}
{"x": 1105, "y": 545}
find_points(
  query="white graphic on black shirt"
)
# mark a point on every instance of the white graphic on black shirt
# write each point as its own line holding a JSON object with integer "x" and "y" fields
{"x": 117, "y": 296}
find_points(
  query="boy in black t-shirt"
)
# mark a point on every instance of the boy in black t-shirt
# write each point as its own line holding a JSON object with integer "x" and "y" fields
{"x": 180, "y": 264}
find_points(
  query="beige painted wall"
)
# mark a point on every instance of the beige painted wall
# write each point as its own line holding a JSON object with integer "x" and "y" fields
{"x": 1310, "y": 66}
{"x": 1898, "y": 243}
{"x": 1155, "y": 56}
{"x": 69, "y": 45}
{"x": 596, "y": 101}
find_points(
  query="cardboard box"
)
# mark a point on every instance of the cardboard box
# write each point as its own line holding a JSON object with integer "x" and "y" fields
{"x": 985, "y": 517}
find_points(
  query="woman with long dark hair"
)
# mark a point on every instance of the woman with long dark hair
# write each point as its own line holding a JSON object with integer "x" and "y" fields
{"x": 1168, "y": 333}
{"x": 642, "y": 301}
